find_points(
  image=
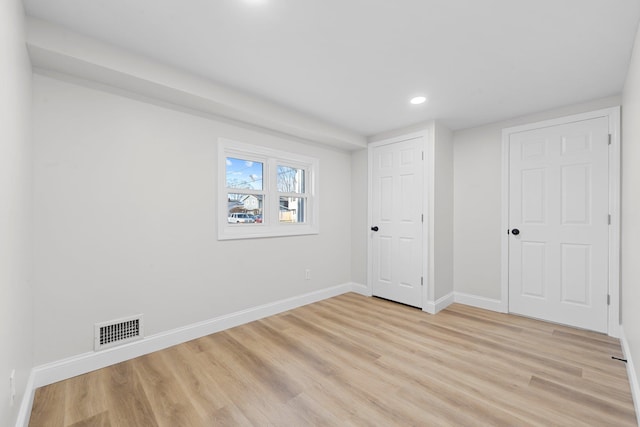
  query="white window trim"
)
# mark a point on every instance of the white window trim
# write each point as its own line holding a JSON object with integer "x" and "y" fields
{"x": 272, "y": 227}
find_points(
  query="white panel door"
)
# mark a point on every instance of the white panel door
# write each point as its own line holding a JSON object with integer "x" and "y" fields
{"x": 558, "y": 216}
{"x": 397, "y": 196}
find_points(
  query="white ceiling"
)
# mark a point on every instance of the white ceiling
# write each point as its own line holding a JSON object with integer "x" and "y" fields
{"x": 356, "y": 63}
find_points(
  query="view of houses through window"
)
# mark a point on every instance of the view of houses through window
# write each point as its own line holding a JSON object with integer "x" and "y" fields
{"x": 291, "y": 186}
{"x": 248, "y": 190}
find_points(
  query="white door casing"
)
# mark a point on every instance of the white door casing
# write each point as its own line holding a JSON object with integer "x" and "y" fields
{"x": 397, "y": 211}
{"x": 562, "y": 185}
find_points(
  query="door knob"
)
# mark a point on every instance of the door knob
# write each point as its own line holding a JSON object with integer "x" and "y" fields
{"x": 375, "y": 228}
{"x": 515, "y": 231}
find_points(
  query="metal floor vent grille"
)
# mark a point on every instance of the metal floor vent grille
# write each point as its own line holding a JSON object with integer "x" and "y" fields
{"x": 116, "y": 332}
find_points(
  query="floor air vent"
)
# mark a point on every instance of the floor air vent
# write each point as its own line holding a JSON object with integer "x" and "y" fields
{"x": 117, "y": 332}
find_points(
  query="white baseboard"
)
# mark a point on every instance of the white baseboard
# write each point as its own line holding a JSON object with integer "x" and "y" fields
{"x": 445, "y": 301}
{"x": 631, "y": 373}
{"x": 361, "y": 289}
{"x": 81, "y": 364}
{"x": 433, "y": 307}
{"x": 480, "y": 302}
{"x": 24, "y": 413}
{"x": 615, "y": 330}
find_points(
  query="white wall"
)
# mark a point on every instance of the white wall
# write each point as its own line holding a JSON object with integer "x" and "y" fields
{"x": 630, "y": 223}
{"x": 16, "y": 300}
{"x": 125, "y": 217}
{"x": 443, "y": 212}
{"x": 477, "y": 199}
{"x": 359, "y": 216}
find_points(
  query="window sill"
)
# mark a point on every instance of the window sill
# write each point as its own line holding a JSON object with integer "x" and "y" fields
{"x": 255, "y": 231}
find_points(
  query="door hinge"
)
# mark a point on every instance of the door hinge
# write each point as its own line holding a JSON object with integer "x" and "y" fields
{"x": 609, "y": 139}
{"x": 609, "y": 219}
{"x": 608, "y": 299}
{"x": 422, "y": 218}
{"x": 423, "y": 154}
{"x": 421, "y": 281}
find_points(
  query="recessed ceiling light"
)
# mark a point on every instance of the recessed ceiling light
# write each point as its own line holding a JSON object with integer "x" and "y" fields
{"x": 418, "y": 100}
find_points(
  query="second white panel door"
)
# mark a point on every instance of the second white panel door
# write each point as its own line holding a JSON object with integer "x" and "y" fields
{"x": 558, "y": 215}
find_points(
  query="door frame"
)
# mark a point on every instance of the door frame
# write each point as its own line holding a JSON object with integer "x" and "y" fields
{"x": 613, "y": 116}
{"x": 427, "y": 143}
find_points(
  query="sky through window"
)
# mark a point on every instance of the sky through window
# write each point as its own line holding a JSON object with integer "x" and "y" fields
{"x": 243, "y": 173}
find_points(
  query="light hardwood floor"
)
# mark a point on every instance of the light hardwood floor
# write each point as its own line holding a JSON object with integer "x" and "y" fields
{"x": 353, "y": 360}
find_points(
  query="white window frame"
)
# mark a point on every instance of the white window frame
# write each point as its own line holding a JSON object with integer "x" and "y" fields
{"x": 271, "y": 159}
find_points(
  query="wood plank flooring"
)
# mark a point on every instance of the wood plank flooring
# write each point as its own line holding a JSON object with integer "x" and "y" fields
{"x": 353, "y": 360}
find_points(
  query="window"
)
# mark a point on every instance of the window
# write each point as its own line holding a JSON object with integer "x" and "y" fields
{"x": 265, "y": 192}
